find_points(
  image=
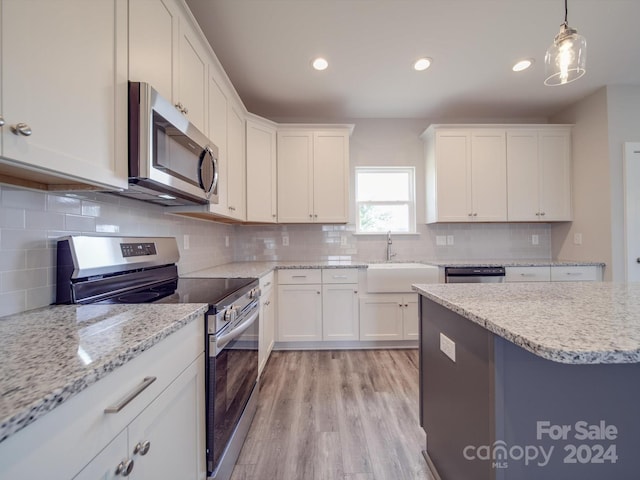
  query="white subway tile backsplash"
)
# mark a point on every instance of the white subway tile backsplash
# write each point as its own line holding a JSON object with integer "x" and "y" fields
{"x": 40, "y": 220}
{"x": 19, "y": 198}
{"x": 79, "y": 223}
{"x": 12, "y": 217}
{"x": 15, "y": 239}
{"x": 13, "y": 302}
{"x": 64, "y": 204}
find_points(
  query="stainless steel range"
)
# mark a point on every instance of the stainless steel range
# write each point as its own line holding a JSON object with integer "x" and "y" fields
{"x": 143, "y": 270}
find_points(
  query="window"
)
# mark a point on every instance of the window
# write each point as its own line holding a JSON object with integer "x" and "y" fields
{"x": 385, "y": 200}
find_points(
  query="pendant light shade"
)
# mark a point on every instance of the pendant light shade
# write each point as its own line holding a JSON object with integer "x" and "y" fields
{"x": 566, "y": 58}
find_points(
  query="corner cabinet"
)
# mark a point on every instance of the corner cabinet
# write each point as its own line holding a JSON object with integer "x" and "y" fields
{"x": 498, "y": 173}
{"x": 539, "y": 174}
{"x": 466, "y": 175}
{"x": 261, "y": 171}
{"x": 236, "y": 166}
{"x": 313, "y": 173}
{"x": 64, "y": 93}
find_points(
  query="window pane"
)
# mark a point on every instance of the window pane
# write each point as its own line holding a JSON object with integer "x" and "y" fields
{"x": 383, "y": 186}
{"x": 382, "y": 218}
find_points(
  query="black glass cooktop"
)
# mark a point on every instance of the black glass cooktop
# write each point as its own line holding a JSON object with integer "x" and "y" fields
{"x": 189, "y": 290}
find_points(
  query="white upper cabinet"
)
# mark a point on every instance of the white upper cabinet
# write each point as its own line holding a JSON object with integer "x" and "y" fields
{"x": 313, "y": 174}
{"x": 64, "y": 92}
{"x": 218, "y": 135}
{"x": 539, "y": 174}
{"x": 261, "y": 171}
{"x": 166, "y": 51}
{"x": 466, "y": 175}
{"x": 236, "y": 167}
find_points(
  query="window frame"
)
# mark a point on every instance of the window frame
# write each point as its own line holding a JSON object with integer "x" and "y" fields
{"x": 411, "y": 202}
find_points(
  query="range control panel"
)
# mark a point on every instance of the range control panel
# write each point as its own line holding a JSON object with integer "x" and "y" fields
{"x": 138, "y": 249}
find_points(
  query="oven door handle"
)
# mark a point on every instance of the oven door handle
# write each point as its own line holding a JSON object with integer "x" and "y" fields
{"x": 222, "y": 341}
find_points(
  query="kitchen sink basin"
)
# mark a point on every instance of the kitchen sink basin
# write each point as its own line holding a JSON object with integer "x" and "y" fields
{"x": 398, "y": 277}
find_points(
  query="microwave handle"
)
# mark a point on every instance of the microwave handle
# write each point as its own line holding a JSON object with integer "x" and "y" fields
{"x": 207, "y": 155}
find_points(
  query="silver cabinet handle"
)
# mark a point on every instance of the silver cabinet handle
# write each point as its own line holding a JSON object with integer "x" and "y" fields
{"x": 475, "y": 214}
{"x": 124, "y": 468}
{"x": 142, "y": 448}
{"x": 298, "y": 276}
{"x": 542, "y": 214}
{"x": 1, "y": 121}
{"x": 355, "y": 291}
{"x": 21, "y": 129}
{"x": 339, "y": 276}
{"x": 638, "y": 260}
{"x": 577, "y": 274}
{"x": 273, "y": 215}
{"x": 126, "y": 400}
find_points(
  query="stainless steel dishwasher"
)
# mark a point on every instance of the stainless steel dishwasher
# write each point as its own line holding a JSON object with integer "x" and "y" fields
{"x": 474, "y": 274}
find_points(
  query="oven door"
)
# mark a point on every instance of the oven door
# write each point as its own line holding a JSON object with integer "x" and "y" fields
{"x": 231, "y": 378}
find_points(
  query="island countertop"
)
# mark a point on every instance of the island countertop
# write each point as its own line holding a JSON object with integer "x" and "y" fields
{"x": 567, "y": 322}
{"x": 50, "y": 354}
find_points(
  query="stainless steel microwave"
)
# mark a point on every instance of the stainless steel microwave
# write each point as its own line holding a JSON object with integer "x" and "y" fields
{"x": 171, "y": 162}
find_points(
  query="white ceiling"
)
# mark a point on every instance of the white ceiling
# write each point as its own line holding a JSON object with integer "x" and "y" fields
{"x": 266, "y": 47}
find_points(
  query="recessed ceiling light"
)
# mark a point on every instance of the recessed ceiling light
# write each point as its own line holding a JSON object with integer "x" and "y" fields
{"x": 320, "y": 63}
{"x": 422, "y": 64}
{"x": 522, "y": 65}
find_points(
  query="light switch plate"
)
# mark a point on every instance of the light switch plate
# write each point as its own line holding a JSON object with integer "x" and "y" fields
{"x": 285, "y": 241}
{"x": 185, "y": 242}
{"x": 535, "y": 240}
{"x": 226, "y": 240}
{"x": 441, "y": 240}
{"x": 448, "y": 347}
{"x": 577, "y": 239}
{"x": 449, "y": 239}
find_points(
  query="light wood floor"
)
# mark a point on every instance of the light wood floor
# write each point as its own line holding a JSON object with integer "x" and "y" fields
{"x": 336, "y": 415}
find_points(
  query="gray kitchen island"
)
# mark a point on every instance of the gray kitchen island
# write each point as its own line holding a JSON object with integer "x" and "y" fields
{"x": 531, "y": 380}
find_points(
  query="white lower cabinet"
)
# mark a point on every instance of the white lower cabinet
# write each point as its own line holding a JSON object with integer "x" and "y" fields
{"x": 80, "y": 440}
{"x": 317, "y": 305}
{"x": 267, "y": 320}
{"x": 163, "y": 441}
{"x": 340, "y": 304}
{"x": 554, "y": 273}
{"x": 389, "y": 316}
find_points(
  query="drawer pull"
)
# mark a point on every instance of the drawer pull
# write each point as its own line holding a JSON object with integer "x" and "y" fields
{"x": 298, "y": 276}
{"x": 267, "y": 284}
{"x": 574, "y": 273}
{"x": 124, "y": 468}
{"x": 126, "y": 400}
{"x": 142, "y": 448}
{"x": 340, "y": 276}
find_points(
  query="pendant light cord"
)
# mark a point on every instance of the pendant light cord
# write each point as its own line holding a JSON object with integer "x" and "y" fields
{"x": 566, "y": 12}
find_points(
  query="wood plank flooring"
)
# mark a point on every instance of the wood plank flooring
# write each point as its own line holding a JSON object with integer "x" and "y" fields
{"x": 336, "y": 415}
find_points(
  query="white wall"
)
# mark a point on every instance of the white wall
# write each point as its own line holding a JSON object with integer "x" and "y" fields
{"x": 603, "y": 122}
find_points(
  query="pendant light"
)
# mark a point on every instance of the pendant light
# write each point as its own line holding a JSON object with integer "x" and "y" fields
{"x": 567, "y": 56}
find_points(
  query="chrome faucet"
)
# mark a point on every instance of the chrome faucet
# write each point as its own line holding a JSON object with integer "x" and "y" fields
{"x": 389, "y": 243}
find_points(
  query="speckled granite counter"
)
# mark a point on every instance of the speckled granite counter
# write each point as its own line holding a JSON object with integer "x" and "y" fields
{"x": 258, "y": 269}
{"x": 512, "y": 263}
{"x": 578, "y": 323}
{"x": 50, "y": 354}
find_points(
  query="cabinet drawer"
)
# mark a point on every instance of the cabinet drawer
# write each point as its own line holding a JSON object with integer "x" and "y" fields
{"x": 339, "y": 275}
{"x": 589, "y": 273}
{"x": 299, "y": 276}
{"x": 266, "y": 282}
{"x": 47, "y": 441}
{"x": 527, "y": 274}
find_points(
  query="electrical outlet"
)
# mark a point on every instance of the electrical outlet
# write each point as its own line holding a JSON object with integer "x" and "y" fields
{"x": 577, "y": 239}
{"x": 449, "y": 239}
{"x": 535, "y": 240}
{"x": 343, "y": 240}
{"x": 226, "y": 240}
{"x": 448, "y": 347}
{"x": 285, "y": 241}
{"x": 185, "y": 242}
{"x": 441, "y": 240}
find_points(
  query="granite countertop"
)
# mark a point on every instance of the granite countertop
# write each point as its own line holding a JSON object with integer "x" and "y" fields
{"x": 50, "y": 354}
{"x": 259, "y": 269}
{"x": 567, "y": 322}
{"x": 513, "y": 263}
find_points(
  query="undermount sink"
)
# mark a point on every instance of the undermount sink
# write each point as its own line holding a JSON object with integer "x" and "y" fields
{"x": 398, "y": 277}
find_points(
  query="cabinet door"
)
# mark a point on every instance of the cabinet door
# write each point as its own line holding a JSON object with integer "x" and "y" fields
{"x": 555, "y": 175}
{"x": 153, "y": 40}
{"x": 64, "y": 75}
{"x": 295, "y": 177}
{"x": 340, "y": 312}
{"x": 381, "y": 317}
{"x": 192, "y": 77}
{"x": 489, "y": 176}
{"x": 218, "y": 135}
{"x": 173, "y": 424}
{"x": 527, "y": 274}
{"x": 105, "y": 464}
{"x": 299, "y": 313}
{"x": 330, "y": 177}
{"x": 235, "y": 163}
{"x": 410, "y": 319}
{"x": 267, "y": 327}
{"x": 261, "y": 172}
{"x": 522, "y": 176}
{"x": 453, "y": 182}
